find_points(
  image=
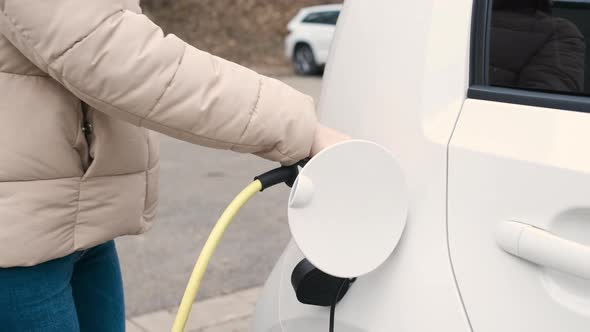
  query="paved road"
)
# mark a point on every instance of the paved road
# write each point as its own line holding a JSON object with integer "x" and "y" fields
{"x": 196, "y": 184}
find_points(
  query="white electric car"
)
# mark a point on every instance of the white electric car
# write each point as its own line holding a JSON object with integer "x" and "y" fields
{"x": 310, "y": 34}
{"x": 486, "y": 106}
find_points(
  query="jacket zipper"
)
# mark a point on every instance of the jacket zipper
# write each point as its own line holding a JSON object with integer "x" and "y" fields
{"x": 86, "y": 125}
{"x": 87, "y": 130}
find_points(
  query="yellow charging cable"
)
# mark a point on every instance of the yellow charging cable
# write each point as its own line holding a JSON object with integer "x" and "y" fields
{"x": 197, "y": 276}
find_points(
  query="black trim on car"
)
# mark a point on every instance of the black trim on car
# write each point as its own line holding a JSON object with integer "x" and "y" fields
{"x": 571, "y": 4}
{"x": 530, "y": 98}
{"x": 479, "y": 42}
{"x": 479, "y": 83}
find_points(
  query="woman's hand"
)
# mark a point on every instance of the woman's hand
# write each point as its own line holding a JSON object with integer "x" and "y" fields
{"x": 326, "y": 137}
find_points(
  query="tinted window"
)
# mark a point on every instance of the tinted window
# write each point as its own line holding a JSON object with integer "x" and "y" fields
{"x": 540, "y": 45}
{"x": 322, "y": 18}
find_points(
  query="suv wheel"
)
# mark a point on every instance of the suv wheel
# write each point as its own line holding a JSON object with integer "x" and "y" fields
{"x": 304, "y": 61}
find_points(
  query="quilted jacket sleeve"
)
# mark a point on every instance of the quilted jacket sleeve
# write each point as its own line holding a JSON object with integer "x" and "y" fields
{"x": 119, "y": 62}
{"x": 560, "y": 63}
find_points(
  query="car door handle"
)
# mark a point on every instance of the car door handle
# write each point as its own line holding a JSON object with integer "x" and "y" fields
{"x": 544, "y": 248}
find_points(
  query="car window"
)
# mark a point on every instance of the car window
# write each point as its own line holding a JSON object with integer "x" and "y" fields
{"x": 329, "y": 17}
{"x": 540, "y": 45}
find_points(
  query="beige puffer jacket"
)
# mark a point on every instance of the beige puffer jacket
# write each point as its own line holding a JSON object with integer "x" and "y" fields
{"x": 78, "y": 80}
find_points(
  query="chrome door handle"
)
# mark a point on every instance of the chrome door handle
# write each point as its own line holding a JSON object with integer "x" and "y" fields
{"x": 544, "y": 248}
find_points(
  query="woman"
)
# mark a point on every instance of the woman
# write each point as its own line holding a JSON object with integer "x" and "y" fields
{"x": 79, "y": 81}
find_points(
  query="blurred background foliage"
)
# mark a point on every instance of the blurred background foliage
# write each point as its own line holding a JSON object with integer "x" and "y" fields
{"x": 250, "y": 32}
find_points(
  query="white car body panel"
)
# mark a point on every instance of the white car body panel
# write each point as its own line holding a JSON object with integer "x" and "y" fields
{"x": 407, "y": 100}
{"x": 470, "y": 165}
{"x": 526, "y": 164}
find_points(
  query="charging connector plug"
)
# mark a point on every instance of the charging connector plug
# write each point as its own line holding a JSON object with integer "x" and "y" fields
{"x": 285, "y": 174}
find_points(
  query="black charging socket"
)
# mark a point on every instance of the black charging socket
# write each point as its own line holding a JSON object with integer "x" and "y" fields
{"x": 314, "y": 287}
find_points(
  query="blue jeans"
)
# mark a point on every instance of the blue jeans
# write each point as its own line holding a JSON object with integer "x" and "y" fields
{"x": 79, "y": 292}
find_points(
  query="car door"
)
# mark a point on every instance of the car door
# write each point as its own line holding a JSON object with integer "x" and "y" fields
{"x": 519, "y": 170}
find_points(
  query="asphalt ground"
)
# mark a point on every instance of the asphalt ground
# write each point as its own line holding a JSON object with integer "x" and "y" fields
{"x": 195, "y": 186}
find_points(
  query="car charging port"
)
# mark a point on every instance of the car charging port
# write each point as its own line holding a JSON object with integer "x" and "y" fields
{"x": 314, "y": 287}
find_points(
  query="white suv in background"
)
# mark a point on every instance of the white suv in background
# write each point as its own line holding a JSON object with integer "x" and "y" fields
{"x": 310, "y": 35}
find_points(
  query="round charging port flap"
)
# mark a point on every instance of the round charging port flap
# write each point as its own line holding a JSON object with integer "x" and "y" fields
{"x": 348, "y": 208}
